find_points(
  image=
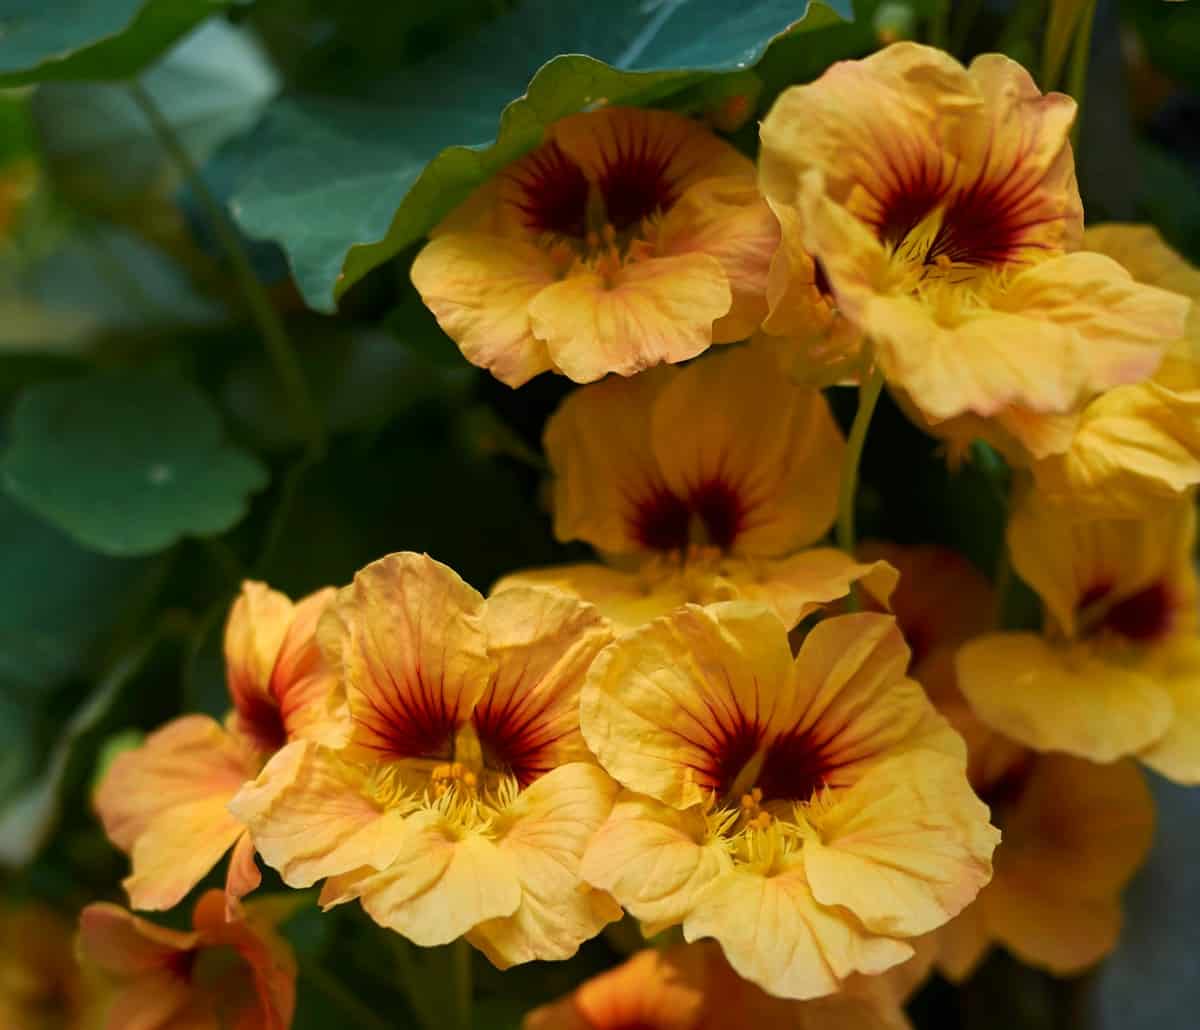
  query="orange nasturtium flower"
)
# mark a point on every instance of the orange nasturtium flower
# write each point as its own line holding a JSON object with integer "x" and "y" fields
{"x": 224, "y": 972}
{"x": 941, "y": 204}
{"x": 465, "y": 795}
{"x": 40, "y": 985}
{"x": 627, "y": 239}
{"x": 699, "y": 483}
{"x": 693, "y": 987}
{"x": 812, "y": 814}
{"x": 1116, "y": 670}
{"x": 166, "y": 803}
{"x": 1073, "y": 832}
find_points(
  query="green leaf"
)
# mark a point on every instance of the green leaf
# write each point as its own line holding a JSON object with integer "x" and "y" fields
{"x": 343, "y": 186}
{"x": 99, "y": 147}
{"x": 126, "y": 462}
{"x": 102, "y": 40}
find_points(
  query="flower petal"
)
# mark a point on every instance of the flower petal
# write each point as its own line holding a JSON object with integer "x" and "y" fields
{"x": 442, "y": 883}
{"x": 677, "y": 707}
{"x": 408, "y": 641}
{"x": 1066, "y": 699}
{"x": 776, "y": 935}
{"x": 905, "y": 848}
{"x": 546, "y": 832}
{"x": 254, "y": 632}
{"x": 1176, "y": 754}
{"x": 653, "y": 859}
{"x": 644, "y": 314}
{"x": 480, "y": 288}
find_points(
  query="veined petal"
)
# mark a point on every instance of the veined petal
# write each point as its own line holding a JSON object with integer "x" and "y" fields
{"x": 254, "y": 633}
{"x": 242, "y": 876}
{"x": 676, "y": 708}
{"x": 443, "y": 882}
{"x": 653, "y": 859}
{"x": 598, "y": 444}
{"x": 543, "y": 641}
{"x": 776, "y": 935}
{"x": 546, "y": 831}
{"x": 408, "y": 640}
{"x": 905, "y": 848}
{"x": 480, "y": 287}
{"x": 643, "y": 314}
{"x": 1176, "y": 754}
{"x": 728, "y": 219}
{"x": 311, "y": 815}
{"x": 301, "y": 682}
{"x": 761, "y": 470}
{"x": 1065, "y": 699}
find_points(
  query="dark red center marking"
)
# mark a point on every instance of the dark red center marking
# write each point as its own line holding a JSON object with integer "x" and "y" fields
{"x": 663, "y": 521}
{"x": 517, "y": 738}
{"x": 794, "y": 770}
{"x": 260, "y": 719}
{"x": 554, "y": 192}
{"x": 634, "y": 182}
{"x": 1004, "y": 792}
{"x": 1142, "y": 617}
{"x": 409, "y": 721}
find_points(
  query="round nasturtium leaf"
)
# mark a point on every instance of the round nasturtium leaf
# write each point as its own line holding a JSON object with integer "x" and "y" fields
{"x": 127, "y": 462}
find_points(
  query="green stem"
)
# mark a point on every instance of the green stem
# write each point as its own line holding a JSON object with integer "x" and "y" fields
{"x": 1077, "y": 74}
{"x": 279, "y": 347}
{"x": 464, "y": 991}
{"x": 868, "y": 397}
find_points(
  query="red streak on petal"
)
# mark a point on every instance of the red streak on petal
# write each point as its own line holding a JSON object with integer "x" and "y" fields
{"x": 518, "y": 738}
{"x": 260, "y": 720}
{"x": 1142, "y": 617}
{"x": 663, "y": 521}
{"x": 796, "y": 767}
{"x": 410, "y": 721}
{"x": 634, "y": 182}
{"x": 554, "y": 192}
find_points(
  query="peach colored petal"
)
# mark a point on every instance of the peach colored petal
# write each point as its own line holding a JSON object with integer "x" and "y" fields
{"x": 480, "y": 287}
{"x": 120, "y": 943}
{"x": 442, "y": 883}
{"x": 543, "y": 642}
{"x": 311, "y": 815}
{"x": 598, "y": 445}
{"x": 964, "y": 942}
{"x": 1062, "y": 699}
{"x": 407, "y": 639}
{"x": 776, "y": 935}
{"x": 254, "y": 632}
{"x": 662, "y": 704}
{"x": 546, "y": 831}
{"x": 302, "y": 683}
{"x": 905, "y": 849}
{"x": 653, "y": 859}
{"x": 772, "y": 444}
{"x": 242, "y": 877}
{"x": 643, "y": 314}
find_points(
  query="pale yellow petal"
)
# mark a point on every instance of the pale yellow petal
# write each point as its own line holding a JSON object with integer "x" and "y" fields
{"x": 653, "y": 859}
{"x": 254, "y": 633}
{"x": 776, "y": 935}
{"x": 546, "y": 831}
{"x": 666, "y": 706}
{"x": 1062, "y": 699}
{"x": 643, "y": 314}
{"x": 1176, "y": 754}
{"x": 905, "y": 849}
{"x": 480, "y": 287}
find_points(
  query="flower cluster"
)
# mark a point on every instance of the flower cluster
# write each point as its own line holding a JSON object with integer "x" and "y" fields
{"x": 802, "y": 757}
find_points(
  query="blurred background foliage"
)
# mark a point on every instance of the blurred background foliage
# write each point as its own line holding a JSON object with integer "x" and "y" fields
{"x": 150, "y": 457}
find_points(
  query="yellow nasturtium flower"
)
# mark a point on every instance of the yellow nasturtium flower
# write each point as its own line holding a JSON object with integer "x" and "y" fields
{"x": 463, "y": 799}
{"x": 941, "y": 205}
{"x": 812, "y": 814}
{"x": 628, "y": 238}
{"x": 40, "y": 985}
{"x": 699, "y": 483}
{"x": 1116, "y": 670}
{"x": 166, "y": 803}
{"x": 693, "y": 987}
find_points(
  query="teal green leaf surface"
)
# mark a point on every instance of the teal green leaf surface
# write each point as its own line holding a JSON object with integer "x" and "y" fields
{"x": 102, "y": 40}
{"x": 126, "y": 462}
{"x": 344, "y": 185}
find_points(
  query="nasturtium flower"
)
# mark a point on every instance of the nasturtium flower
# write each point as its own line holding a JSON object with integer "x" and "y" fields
{"x": 1116, "y": 670}
{"x": 941, "y": 205}
{"x": 40, "y": 985}
{"x": 464, "y": 796}
{"x": 693, "y": 987}
{"x": 235, "y": 973}
{"x": 1139, "y": 445}
{"x": 811, "y": 814}
{"x": 699, "y": 483}
{"x": 165, "y": 803}
{"x": 628, "y": 238}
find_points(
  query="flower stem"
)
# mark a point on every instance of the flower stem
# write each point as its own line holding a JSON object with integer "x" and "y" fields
{"x": 868, "y": 396}
{"x": 464, "y": 993}
{"x": 279, "y": 347}
{"x": 1078, "y": 72}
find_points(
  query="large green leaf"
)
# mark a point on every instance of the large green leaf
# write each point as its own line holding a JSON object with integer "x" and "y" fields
{"x": 126, "y": 462}
{"x": 344, "y": 185}
{"x": 102, "y": 40}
